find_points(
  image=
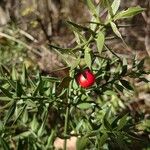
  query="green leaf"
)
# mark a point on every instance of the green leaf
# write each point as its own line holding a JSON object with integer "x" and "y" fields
{"x": 64, "y": 83}
{"x": 130, "y": 12}
{"x": 25, "y": 116}
{"x": 84, "y": 105}
{"x": 122, "y": 122}
{"x": 126, "y": 84}
{"x": 50, "y": 139}
{"x": 24, "y": 75}
{"x": 82, "y": 143}
{"x": 119, "y": 87}
{"x": 140, "y": 65}
{"x": 14, "y": 74}
{"x": 6, "y": 92}
{"x": 87, "y": 57}
{"x": 41, "y": 129}
{"x": 4, "y": 71}
{"x": 50, "y": 79}
{"x": 80, "y": 27}
{"x": 76, "y": 30}
{"x": 92, "y": 7}
{"x": 108, "y": 5}
{"x": 20, "y": 144}
{"x": 124, "y": 70}
{"x": 103, "y": 139}
{"x": 20, "y": 113}
{"x": 124, "y": 67}
{"x": 109, "y": 92}
{"x": 100, "y": 41}
{"x": 11, "y": 83}
{"x": 75, "y": 64}
{"x": 34, "y": 124}
{"x": 107, "y": 125}
{"x": 115, "y": 6}
{"x": 5, "y": 98}
{"x": 10, "y": 112}
{"x": 22, "y": 135}
{"x": 4, "y": 144}
{"x": 115, "y": 30}
{"x": 19, "y": 89}
{"x": 38, "y": 88}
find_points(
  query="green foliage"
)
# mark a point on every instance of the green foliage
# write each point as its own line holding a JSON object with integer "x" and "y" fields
{"x": 37, "y": 109}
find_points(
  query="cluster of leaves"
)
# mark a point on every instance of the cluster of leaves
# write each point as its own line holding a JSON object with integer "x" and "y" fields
{"x": 36, "y": 109}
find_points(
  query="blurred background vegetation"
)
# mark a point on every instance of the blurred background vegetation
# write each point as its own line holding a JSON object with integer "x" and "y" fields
{"x": 27, "y": 27}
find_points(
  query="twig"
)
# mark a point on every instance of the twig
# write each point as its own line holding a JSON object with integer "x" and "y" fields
{"x": 28, "y": 35}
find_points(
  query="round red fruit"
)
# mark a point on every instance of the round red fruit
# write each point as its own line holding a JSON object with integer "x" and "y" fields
{"x": 85, "y": 78}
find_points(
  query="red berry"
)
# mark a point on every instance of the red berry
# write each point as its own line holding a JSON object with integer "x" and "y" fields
{"x": 85, "y": 78}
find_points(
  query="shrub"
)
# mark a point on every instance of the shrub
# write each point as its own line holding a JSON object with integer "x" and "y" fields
{"x": 37, "y": 109}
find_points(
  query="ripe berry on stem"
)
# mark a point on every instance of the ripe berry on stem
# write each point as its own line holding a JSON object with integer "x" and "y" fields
{"x": 86, "y": 78}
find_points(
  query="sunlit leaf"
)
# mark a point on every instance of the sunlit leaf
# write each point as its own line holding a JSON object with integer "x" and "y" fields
{"x": 84, "y": 105}
{"x": 14, "y": 74}
{"x": 87, "y": 57}
{"x": 122, "y": 122}
{"x": 100, "y": 41}
{"x": 130, "y": 12}
{"x": 75, "y": 64}
{"x": 115, "y": 6}
{"x": 115, "y": 30}
{"x": 91, "y": 7}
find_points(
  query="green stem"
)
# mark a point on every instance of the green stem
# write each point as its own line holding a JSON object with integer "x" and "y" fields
{"x": 66, "y": 127}
{"x": 67, "y": 113}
